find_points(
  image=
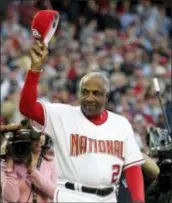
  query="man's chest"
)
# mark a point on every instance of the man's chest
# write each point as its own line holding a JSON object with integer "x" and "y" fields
{"x": 83, "y": 137}
{"x": 92, "y": 150}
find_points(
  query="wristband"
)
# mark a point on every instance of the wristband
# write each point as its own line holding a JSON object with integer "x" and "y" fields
{"x": 36, "y": 71}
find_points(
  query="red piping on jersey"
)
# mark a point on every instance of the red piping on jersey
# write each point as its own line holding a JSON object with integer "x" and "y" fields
{"x": 31, "y": 108}
{"x": 134, "y": 178}
{"x": 133, "y": 163}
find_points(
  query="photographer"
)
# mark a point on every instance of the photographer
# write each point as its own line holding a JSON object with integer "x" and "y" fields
{"x": 150, "y": 170}
{"x": 18, "y": 178}
{"x": 162, "y": 149}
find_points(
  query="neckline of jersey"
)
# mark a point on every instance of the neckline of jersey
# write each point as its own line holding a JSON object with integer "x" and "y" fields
{"x": 98, "y": 120}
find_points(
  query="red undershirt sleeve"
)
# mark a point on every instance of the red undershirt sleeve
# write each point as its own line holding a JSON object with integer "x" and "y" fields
{"x": 135, "y": 182}
{"x": 29, "y": 106}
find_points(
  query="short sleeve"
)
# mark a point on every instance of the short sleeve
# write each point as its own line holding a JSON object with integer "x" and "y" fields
{"x": 52, "y": 114}
{"x": 132, "y": 153}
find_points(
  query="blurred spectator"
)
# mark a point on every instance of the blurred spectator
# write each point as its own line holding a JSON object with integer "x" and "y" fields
{"x": 12, "y": 29}
{"x": 128, "y": 41}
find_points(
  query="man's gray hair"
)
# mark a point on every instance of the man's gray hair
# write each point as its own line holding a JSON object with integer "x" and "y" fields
{"x": 100, "y": 75}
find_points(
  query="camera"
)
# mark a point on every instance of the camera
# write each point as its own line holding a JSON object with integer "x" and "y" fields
{"x": 17, "y": 144}
{"x": 159, "y": 142}
{"x": 160, "y": 145}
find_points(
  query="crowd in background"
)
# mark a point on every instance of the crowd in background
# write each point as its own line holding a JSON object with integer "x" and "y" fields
{"x": 129, "y": 42}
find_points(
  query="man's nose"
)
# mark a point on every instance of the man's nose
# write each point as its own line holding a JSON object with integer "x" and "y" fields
{"x": 90, "y": 97}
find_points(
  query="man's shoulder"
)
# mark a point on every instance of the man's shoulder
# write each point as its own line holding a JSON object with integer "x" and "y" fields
{"x": 59, "y": 106}
{"x": 60, "y": 109}
{"x": 117, "y": 118}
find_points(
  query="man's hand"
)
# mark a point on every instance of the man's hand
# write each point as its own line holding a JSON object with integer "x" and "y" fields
{"x": 38, "y": 53}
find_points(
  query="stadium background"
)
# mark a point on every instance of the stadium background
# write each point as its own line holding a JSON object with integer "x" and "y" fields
{"x": 130, "y": 41}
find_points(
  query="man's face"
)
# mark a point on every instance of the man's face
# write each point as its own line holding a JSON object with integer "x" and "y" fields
{"x": 93, "y": 96}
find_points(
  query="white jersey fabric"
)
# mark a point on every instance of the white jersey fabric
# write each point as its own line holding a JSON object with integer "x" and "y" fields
{"x": 88, "y": 154}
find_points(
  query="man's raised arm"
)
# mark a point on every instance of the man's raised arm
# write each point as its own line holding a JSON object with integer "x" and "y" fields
{"x": 29, "y": 106}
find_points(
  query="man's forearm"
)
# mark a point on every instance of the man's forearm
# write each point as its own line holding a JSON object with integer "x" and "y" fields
{"x": 29, "y": 106}
{"x": 135, "y": 183}
{"x": 150, "y": 168}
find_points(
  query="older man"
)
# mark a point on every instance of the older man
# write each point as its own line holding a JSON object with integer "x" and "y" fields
{"x": 92, "y": 145}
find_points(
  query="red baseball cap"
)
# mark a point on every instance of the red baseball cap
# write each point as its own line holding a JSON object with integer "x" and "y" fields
{"x": 44, "y": 25}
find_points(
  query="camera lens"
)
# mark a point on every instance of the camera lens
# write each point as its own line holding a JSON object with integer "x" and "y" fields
{"x": 20, "y": 150}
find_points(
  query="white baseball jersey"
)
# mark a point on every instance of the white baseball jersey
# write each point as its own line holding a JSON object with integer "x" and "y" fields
{"x": 88, "y": 154}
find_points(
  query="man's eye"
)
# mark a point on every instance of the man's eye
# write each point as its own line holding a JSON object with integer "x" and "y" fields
{"x": 96, "y": 93}
{"x": 84, "y": 92}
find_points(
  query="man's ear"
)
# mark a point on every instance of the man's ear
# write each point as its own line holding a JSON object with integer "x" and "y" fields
{"x": 107, "y": 96}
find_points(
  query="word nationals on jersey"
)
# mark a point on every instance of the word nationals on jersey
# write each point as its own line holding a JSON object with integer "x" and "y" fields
{"x": 82, "y": 144}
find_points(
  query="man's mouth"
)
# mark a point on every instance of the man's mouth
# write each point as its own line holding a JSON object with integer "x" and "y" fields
{"x": 90, "y": 105}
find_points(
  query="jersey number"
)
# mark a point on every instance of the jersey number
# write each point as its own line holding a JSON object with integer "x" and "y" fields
{"x": 115, "y": 174}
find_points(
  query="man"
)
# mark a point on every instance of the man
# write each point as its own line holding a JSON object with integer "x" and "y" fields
{"x": 92, "y": 145}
